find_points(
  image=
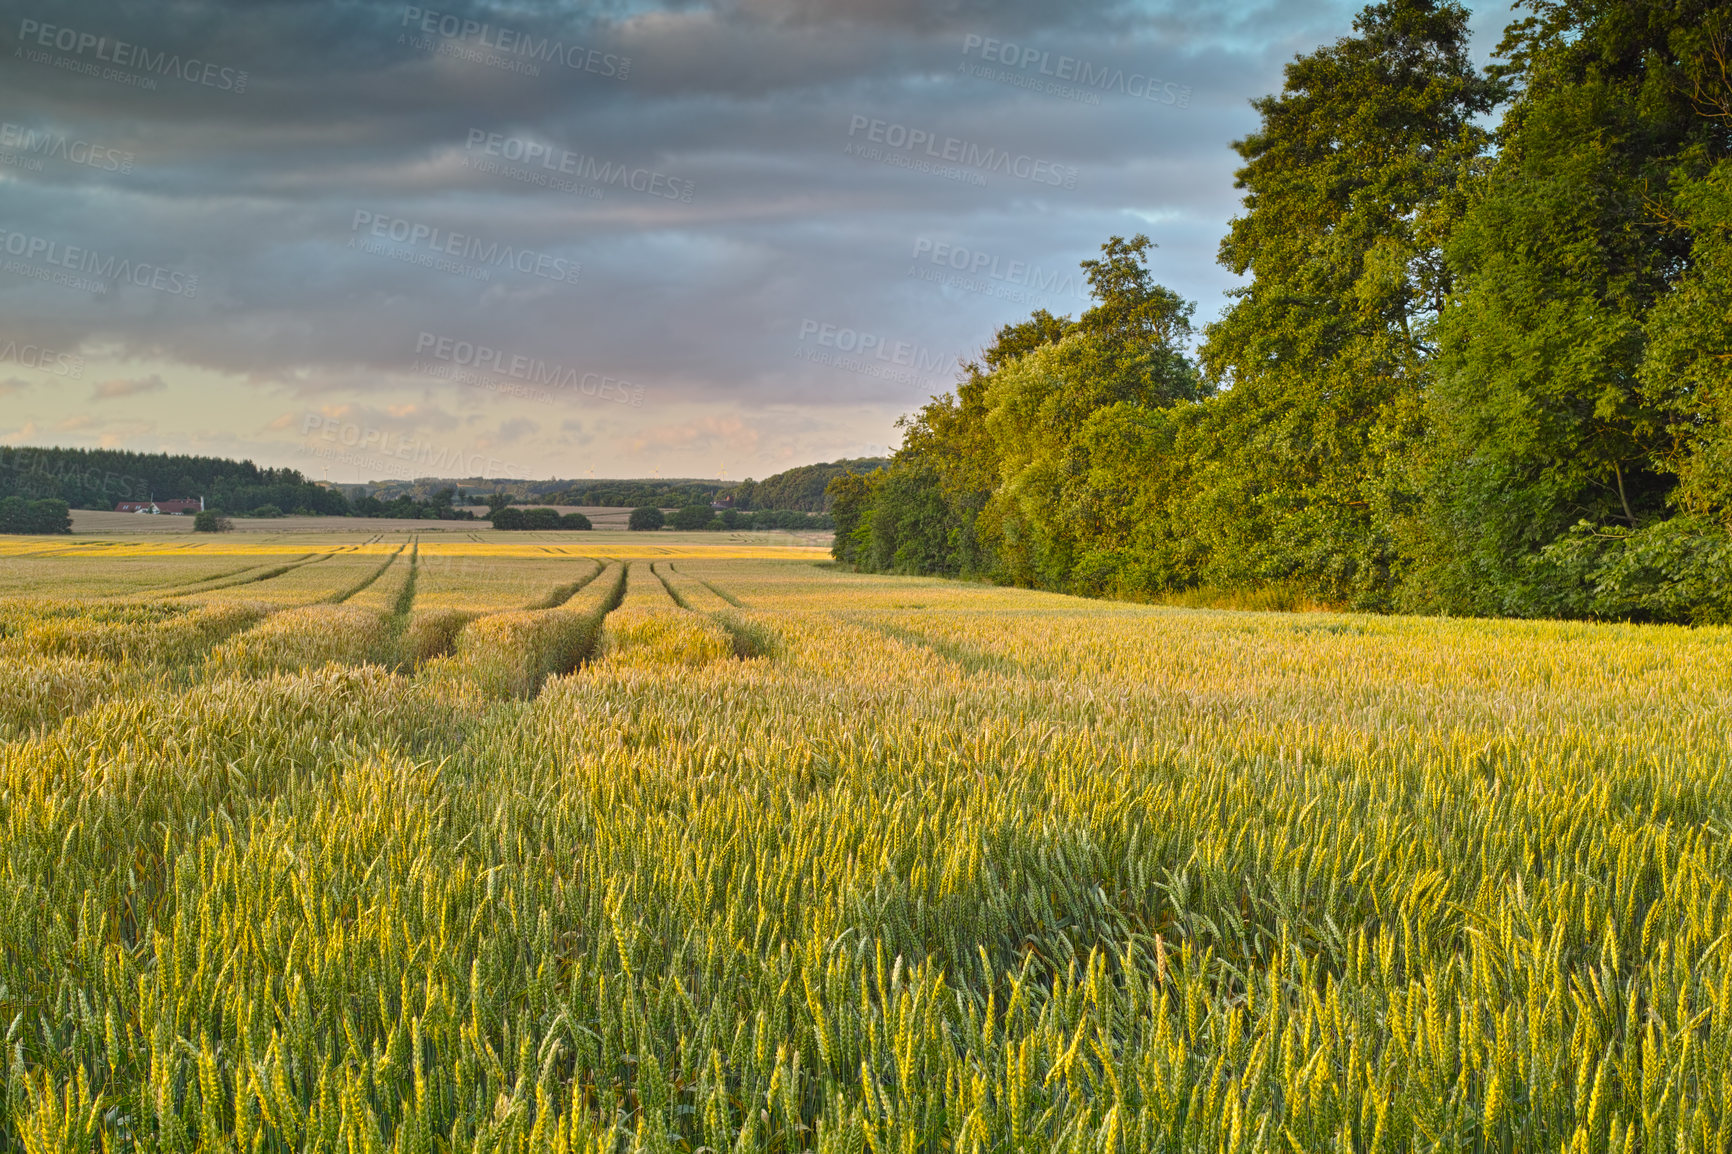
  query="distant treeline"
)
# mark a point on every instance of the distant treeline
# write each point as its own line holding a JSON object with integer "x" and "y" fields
{"x": 437, "y": 507}
{"x": 474, "y": 489}
{"x": 631, "y": 494}
{"x": 1471, "y": 371}
{"x": 799, "y": 489}
{"x": 704, "y": 517}
{"x": 773, "y": 519}
{"x": 101, "y": 478}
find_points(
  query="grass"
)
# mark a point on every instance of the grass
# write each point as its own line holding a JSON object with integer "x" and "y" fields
{"x": 1275, "y": 598}
{"x": 925, "y": 866}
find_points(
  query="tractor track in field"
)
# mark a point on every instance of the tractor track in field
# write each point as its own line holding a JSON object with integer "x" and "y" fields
{"x": 300, "y": 562}
{"x": 405, "y": 601}
{"x": 343, "y": 595}
{"x": 971, "y": 659}
{"x": 725, "y": 596}
{"x": 397, "y": 618}
{"x": 162, "y": 589}
{"x": 748, "y": 639}
{"x": 671, "y": 591}
{"x": 564, "y": 593}
{"x": 584, "y": 651}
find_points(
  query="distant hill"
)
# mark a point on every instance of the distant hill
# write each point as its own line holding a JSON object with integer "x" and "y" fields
{"x": 424, "y": 488}
{"x": 801, "y": 488}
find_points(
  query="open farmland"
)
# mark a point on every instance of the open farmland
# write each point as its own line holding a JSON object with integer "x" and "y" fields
{"x": 665, "y": 842}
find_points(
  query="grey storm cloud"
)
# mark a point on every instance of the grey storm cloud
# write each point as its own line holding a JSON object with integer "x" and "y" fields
{"x": 777, "y": 205}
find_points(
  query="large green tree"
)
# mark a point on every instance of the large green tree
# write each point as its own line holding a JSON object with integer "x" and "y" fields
{"x": 1127, "y": 350}
{"x": 1572, "y": 388}
{"x": 1352, "y": 184}
{"x": 1677, "y": 566}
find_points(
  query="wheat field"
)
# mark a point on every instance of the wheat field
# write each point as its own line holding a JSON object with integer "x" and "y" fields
{"x": 391, "y": 845}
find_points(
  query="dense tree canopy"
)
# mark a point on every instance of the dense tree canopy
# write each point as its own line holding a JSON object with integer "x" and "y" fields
{"x": 1583, "y": 360}
{"x": 1469, "y": 371}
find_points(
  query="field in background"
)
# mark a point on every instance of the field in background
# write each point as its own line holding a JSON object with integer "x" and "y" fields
{"x": 604, "y": 517}
{"x": 163, "y": 563}
{"x": 617, "y": 841}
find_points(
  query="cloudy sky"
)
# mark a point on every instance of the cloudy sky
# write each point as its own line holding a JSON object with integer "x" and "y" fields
{"x": 614, "y": 238}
